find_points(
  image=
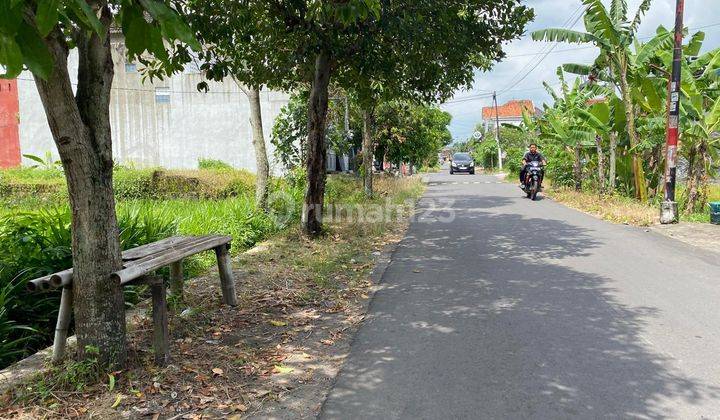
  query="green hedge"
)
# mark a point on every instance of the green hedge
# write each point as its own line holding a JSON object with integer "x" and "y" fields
{"x": 38, "y": 187}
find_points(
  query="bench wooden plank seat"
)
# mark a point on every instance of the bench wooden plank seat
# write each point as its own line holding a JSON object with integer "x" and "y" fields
{"x": 138, "y": 265}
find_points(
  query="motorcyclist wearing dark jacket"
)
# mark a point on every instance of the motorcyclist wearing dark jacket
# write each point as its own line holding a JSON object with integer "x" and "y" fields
{"x": 533, "y": 155}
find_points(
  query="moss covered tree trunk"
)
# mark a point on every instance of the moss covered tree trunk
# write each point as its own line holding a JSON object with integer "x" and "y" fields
{"x": 80, "y": 125}
{"x": 316, "y": 149}
{"x": 261, "y": 157}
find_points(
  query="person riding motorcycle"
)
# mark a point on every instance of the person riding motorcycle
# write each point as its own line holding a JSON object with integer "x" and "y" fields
{"x": 533, "y": 155}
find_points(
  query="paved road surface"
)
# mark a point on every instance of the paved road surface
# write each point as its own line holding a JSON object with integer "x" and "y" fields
{"x": 520, "y": 309}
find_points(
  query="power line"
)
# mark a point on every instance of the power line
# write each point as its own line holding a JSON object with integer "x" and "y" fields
{"x": 592, "y": 46}
{"x": 547, "y": 48}
{"x": 467, "y": 99}
{"x": 574, "y": 17}
{"x": 513, "y": 84}
{"x": 153, "y": 90}
{"x": 478, "y": 97}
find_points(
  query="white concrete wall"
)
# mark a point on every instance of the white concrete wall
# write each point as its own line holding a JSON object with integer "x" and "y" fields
{"x": 193, "y": 125}
{"x": 490, "y": 124}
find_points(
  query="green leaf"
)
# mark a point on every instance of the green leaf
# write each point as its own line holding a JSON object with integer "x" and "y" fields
{"x": 137, "y": 34}
{"x": 36, "y": 56}
{"x": 650, "y": 92}
{"x": 34, "y": 158}
{"x": 10, "y": 17}
{"x": 87, "y": 15}
{"x": 663, "y": 41}
{"x": 580, "y": 69}
{"x": 111, "y": 382}
{"x": 10, "y": 57}
{"x": 564, "y": 35}
{"x": 695, "y": 44}
{"x": 46, "y": 16}
{"x": 644, "y": 7}
{"x": 618, "y": 10}
{"x": 557, "y": 126}
{"x": 172, "y": 26}
{"x": 713, "y": 117}
{"x": 599, "y": 23}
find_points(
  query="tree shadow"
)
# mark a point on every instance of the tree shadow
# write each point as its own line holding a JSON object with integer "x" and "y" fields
{"x": 475, "y": 319}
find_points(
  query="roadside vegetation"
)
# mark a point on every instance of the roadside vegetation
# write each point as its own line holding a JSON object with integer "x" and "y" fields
{"x": 35, "y": 228}
{"x": 286, "y": 273}
{"x": 371, "y": 52}
{"x": 604, "y": 132}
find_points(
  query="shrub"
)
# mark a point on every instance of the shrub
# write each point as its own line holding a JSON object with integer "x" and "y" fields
{"x": 38, "y": 243}
{"x": 513, "y": 161}
{"x": 560, "y": 166}
{"x": 214, "y": 164}
{"x": 20, "y": 187}
{"x": 13, "y": 337}
{"x": 132, "y": 184}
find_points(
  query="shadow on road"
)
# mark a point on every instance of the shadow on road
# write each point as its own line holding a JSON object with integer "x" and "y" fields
{"x": 476, "y": 319}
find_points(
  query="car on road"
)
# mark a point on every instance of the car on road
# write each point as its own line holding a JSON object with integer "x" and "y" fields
{"x": 462, "y": 162}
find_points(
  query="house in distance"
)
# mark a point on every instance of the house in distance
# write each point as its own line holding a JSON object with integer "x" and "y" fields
{"x": 509, "y": 113}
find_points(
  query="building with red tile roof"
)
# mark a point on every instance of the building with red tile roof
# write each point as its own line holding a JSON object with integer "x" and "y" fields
{"x": 509, "y": 113}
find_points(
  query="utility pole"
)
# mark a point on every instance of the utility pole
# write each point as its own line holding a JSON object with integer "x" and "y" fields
{"x": 669, "y": 208}
{"x": 497, "y": 132}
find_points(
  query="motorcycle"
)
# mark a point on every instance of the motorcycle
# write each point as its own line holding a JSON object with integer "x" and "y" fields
{"x": 533, "y": 179}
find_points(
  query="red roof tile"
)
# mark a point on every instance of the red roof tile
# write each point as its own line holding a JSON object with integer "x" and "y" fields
{"x": 511, "y": 109}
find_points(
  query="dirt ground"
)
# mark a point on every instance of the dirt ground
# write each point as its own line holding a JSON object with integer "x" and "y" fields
{"x": 275, "y": 355}
{"x": 702, "y": 235}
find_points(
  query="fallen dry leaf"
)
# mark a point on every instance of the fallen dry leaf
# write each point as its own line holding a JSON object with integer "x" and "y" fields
{"x": 218, "y": 372}
{"x": 282, "y": 369}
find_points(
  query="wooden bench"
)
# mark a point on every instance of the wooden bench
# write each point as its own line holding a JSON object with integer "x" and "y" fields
{"x": 138, "y": 267}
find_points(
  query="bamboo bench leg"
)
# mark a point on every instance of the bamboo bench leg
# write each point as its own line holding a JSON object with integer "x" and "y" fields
{"x": 176, "y": 280}
{"x": 227, "y": 281}
{"x": 63, "y": 324}
{"x": 161, "y": 334}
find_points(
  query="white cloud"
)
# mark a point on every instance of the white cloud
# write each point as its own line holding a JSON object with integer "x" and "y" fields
{"x": 554, "y": 13}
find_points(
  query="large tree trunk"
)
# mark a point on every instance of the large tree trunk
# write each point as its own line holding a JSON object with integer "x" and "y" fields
{"x": 613, "y": 163}
{"x": 80, "y": 126}
{"x": 638, "y": 170}
{"x": 577, "y": 168}
{"x": 368, "y": 150}
{"x": 261, "y": 158}
{"x": 601, "y": 164}
{"x": 316, "y": 149}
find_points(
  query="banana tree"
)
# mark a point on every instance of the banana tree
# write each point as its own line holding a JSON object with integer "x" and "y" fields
{"x": 612, "y": 32}
{"x": 597, "y": 117}
{"x": 565, "y": 121}
{"x": 699, "y": 109}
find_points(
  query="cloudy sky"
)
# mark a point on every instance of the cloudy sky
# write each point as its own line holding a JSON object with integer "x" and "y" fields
{"x": 524, "y": 55}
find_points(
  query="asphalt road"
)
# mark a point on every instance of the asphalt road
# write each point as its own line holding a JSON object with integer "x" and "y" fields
{"x": 498, "y": 307}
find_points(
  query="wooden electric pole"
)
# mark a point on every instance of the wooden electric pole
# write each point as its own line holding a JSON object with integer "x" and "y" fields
{"x": 669, "y": 208}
